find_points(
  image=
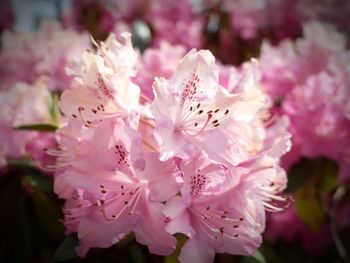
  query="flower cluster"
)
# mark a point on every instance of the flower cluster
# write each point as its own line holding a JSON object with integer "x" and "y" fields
{"x": 178, "y": 135}
{"x": 46, "y": 52}
{"x": 313, "y": 69}
{"x": 198, "y": 159}
{"x": 22, "y": 104}
{"x": 309, "y": 80}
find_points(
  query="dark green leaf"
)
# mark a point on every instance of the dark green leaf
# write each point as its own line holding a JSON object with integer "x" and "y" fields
{"x": 308, "y": 206}
{"x": 318, "y": 176}
{"x": 44, "y": 127}
{"x": 66, "y": 250}
{"x": 48, "y": 215}
{"x": 40, "y": 181}
{"x": 329, "y": 173}
{"x": 299, "y": 174}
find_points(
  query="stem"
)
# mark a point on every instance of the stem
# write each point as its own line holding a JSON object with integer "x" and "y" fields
{"x": 333, "y": 227}
{"x": 336, "y": 238}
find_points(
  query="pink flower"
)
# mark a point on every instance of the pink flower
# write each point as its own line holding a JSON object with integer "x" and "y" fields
{"x": 221, "y": 210}
{"x": 212, "y": 213}
{"x": 318, "y": 119}
{"x": 160, "y": 62}
{"x": 197, "y": 160}
{"x": 291, "y": 63}
{"x": 191, "y": 111}
{"x": 37, "y": 148}
{"x": 119, "y": 187}
{"x": 44, "y": 52}
{"x": 22, "y": 104}
{"x": 103, "y": 83}
{"x": 311, "y": 79}
{"x": 165, "y": 16}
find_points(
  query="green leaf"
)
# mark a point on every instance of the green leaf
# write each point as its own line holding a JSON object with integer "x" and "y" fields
{"x": 320, "y": 177}
{"x": 43, "y": 127}
{"x": 181, "y": 239}
{"x": 257, "y": 257}
{"x": 324, "y": 169}
{"x": 39, "y": 181}
{"x": 329, "y": 171}
{"x": 54, "y": 109}
{"x": 299, "y": 174}
{"x": 66, "y": 251}
{"x": 308, "y": 207}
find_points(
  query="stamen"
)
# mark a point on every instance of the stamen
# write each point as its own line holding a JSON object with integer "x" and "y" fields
{"x": 147, "y": 123}
{"x": 202, "y": 129}
{"x": 145, "y": 98}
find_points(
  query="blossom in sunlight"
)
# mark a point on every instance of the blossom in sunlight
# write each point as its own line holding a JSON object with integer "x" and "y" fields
{"x": 115, "y": 188}
{"x": 198, "y": 159}
{"x": 223, "y": 210}
{"x": 103, "y": 83}
{"x": 192, "y": 111}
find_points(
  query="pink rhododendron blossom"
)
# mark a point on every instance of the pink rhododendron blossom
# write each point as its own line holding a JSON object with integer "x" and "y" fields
{"x": 192, "y": 111}
{"x": 223, "y": 210}
{"x": 213, "y": 213}
{"x": 291, "y": 63}
{"x": 311, "y": 77}
{"x": 37, "y": 148}
{"x": 29, "y": 55}
{"x": 22, "y": 104}
{"x": 103, "y": 83}
{"x": 164, "y": 16}
{"x": 197, "y": 159}
{"x": 160, "y": 62}
{"x": 322, "y": 123}
{"x": 122, "y": 187}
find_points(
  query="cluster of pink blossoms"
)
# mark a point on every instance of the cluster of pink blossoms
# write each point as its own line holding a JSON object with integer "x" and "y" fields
{"x": 32, "y": 63}
{"x": 196, "y": 160}
{"x": 311, "y": 79}
{"x": 22, "y": 104}
{"x": 26, "y": 56}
